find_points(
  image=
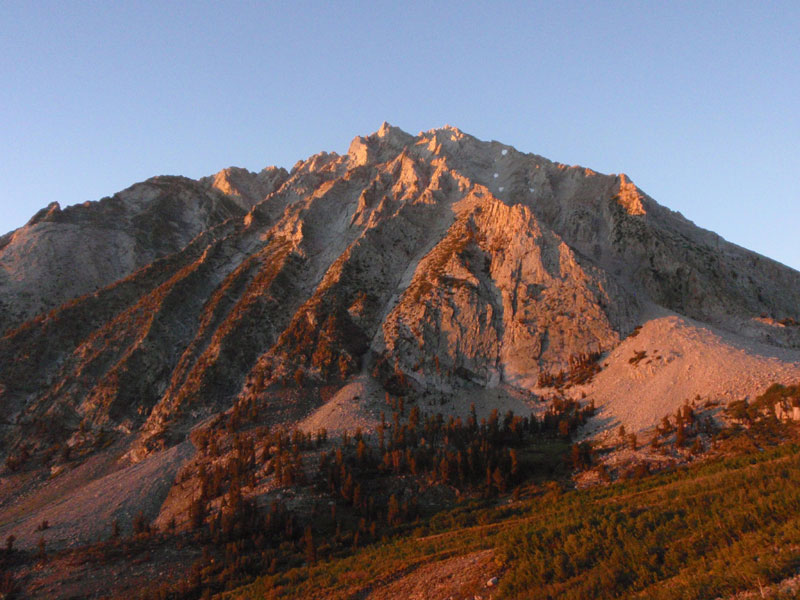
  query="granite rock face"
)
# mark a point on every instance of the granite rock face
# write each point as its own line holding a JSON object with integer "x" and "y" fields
{"x": 435, "y": 261}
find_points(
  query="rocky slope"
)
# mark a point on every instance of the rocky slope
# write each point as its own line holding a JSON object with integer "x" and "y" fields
{"x": 62, "y": 254}
{"x": 435, "y": 263}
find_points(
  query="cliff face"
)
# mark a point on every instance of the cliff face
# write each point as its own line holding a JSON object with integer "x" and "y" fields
{"x": 432, "y": 262}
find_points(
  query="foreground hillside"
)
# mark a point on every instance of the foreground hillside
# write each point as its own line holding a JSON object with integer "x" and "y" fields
{"x": 709, "y": 531}
{"x": 726, "y": 526}
{"x": 487, "y": 509}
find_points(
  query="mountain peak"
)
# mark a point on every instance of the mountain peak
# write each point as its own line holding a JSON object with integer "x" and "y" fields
{"x": 245, "y": 187}
{"x": 445, "y": 128}
{"x": 379, "y": 145}
{"x": 45, "y": 213}
{"x": 630, "y": 198}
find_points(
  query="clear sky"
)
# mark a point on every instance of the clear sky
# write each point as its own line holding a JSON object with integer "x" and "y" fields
{"x": 698, "y": 102}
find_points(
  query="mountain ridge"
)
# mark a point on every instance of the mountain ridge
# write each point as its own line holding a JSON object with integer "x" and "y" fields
{"x": 435, "y": 262}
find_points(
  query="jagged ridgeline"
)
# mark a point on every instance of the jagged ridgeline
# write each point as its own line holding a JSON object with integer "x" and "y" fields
{"x": 435, "y": 263}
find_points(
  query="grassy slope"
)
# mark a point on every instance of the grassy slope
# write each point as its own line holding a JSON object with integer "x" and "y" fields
{"x": 700, "y": 532}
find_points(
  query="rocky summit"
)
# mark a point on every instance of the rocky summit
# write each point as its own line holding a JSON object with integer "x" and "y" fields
{"x": 430, "y": 265}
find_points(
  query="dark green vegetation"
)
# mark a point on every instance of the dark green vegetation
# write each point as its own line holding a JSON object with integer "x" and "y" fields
{"x": 582, "y": 368}
{"x": 702, "y": 532}
{"x": 360, "y": 493}
{"x": 727, "y": 524}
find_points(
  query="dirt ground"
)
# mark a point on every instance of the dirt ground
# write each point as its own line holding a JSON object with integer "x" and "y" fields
{"x": 457, "y": 578}
{"x": 80, "y": 505}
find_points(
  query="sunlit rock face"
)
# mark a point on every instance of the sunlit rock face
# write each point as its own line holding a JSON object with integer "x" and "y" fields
{"x": 431, "y": 262}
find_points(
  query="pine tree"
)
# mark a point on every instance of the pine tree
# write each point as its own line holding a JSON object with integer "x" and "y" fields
{"x": 310, "y": 547}
{"x": 472, "y": 420}
{"x": 140, "y": 524}
{"x": 575, "y": 457}
{"x": 680, "y": 436}
{"x": 361, "y": 452}
{"x": 499, "y": 480}
{"x": 413, "y": 417}
{"x": 197, "y": 513}
{"x": 393, "y": 511}
{"x": 514, "y": 463}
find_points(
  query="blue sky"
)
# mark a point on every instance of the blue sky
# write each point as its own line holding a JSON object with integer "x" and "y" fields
{"x": 697, "y": 102}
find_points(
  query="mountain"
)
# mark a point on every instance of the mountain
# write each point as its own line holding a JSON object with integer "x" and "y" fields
{"x": 210, "y": 364}
{"x": 432, "y": 264}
